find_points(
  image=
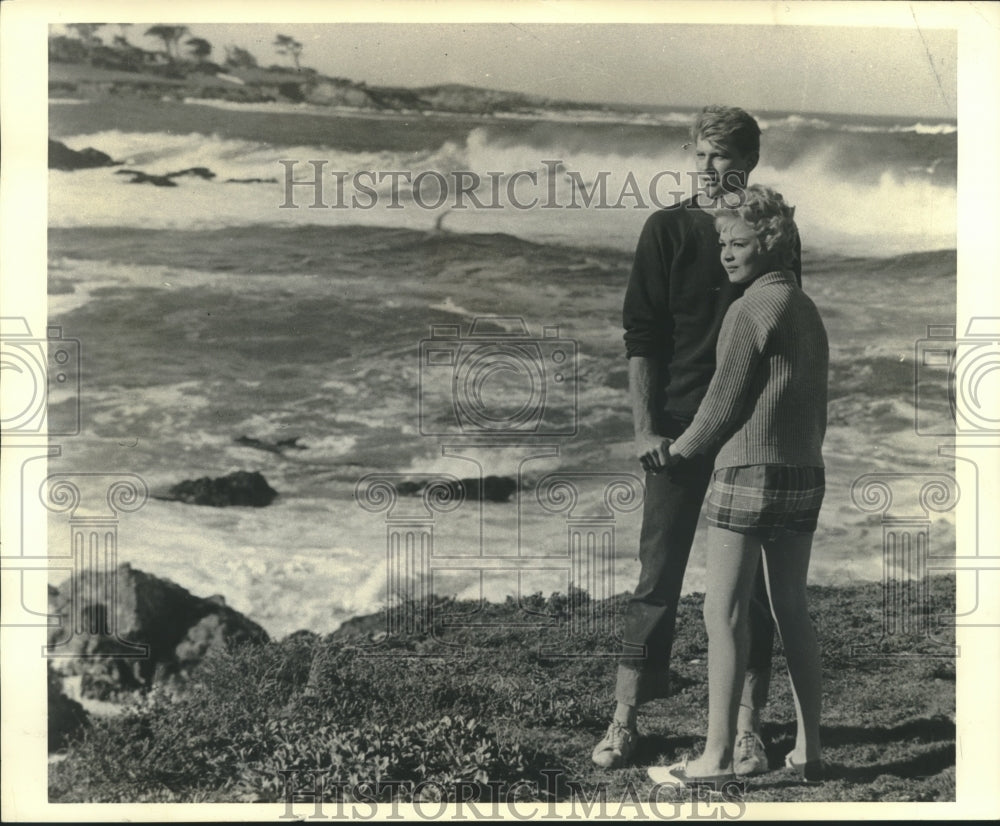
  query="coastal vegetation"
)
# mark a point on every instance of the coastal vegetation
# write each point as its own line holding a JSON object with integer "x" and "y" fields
{"x": 508, "y": 698}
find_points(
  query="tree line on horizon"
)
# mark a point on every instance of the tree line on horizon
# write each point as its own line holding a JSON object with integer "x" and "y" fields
{"x": 183, "y": 56}
{"x": 88, "y": 47}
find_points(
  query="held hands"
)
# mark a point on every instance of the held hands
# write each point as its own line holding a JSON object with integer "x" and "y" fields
{"x": 654, "y": 452}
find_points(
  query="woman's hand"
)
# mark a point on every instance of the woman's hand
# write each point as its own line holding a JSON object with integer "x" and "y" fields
{"x": 653, "y": 452}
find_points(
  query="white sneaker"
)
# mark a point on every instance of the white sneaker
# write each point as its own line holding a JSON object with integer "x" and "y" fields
{"x": 616, "y": 748}
{"x": 749, "y": 756}
{"x": 677, "y": 776}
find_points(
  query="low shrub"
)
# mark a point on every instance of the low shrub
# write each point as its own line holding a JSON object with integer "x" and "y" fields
{"x": 423, "y": 715}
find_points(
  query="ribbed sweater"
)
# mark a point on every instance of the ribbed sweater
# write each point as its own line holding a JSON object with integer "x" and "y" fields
{"x": 677, "y": 295}
{"x": 766, "y": 402}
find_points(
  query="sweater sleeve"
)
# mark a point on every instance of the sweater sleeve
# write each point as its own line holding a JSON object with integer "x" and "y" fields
{"x": 739, "y": 351}
{"x": 646, "y": 307}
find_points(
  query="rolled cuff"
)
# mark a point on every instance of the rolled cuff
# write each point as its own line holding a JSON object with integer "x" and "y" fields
{"x": 636, "y": 685}
{"x": 647, "y": 345}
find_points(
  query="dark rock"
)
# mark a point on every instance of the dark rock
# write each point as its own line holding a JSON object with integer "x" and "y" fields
{"x": 292, "y": 441}
{"x": 180, "y": 629}
{"x": 66, "y": 159}
{"x": 494, "y": 489}
{"x": 140, "y": 177}
{"x": 202, "y": 172}
{"x": 272, "y": 447}
{"x": 251, "y": 441}
{"x": 238, "y": 488}
{"x": 409, "y": 488}
{"x": 67, "y": 718}
{"x": 491, "y": 489}
{"x": 214, "y": 632}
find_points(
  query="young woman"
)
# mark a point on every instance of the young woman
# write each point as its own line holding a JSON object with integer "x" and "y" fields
{"x": 766, "y": 407}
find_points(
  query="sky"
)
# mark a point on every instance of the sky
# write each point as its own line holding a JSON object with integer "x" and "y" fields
{"x": 863, "y": 70}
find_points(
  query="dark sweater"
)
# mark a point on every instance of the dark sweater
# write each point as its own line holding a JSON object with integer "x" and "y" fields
{"x": 766, "y": 403}
{"x": 676, "y": 298}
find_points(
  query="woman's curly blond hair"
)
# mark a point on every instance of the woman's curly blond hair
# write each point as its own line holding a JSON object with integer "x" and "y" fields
{"x": 770, "y": 217}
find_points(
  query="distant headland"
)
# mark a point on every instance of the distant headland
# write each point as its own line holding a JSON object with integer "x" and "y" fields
{"x": 86, "y": 66}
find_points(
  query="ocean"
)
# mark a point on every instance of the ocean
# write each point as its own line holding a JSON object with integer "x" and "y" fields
{"x": 214, "y": 310}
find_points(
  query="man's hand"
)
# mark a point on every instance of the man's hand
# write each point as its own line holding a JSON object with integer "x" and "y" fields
{"x": 652, "y": 452}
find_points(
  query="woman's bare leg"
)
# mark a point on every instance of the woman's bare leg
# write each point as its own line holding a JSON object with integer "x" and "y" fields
{"x": 787, "y": 563}
{"x": 730, "y": 565}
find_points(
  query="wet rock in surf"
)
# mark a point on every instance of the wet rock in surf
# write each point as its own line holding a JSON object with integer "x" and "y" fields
{"x": 240, "y": 488}
{"x": 489, "y": 489}
{"x": 202, "y": 172}
{"x": 279, "y": 446}
{"x": 140, "y": 177}
{"x": 63, "y": 158}
{"x": 106, "y": 615}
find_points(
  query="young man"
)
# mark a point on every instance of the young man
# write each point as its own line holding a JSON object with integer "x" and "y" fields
{"x": 676, "y": 298}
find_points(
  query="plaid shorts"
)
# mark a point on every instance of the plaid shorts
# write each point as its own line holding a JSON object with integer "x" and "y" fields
{"x": 763, "y": 500}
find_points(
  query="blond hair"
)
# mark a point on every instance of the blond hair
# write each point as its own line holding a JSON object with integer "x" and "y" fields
{"x": 727, "y": 126}
{"x": 770, "y": 217}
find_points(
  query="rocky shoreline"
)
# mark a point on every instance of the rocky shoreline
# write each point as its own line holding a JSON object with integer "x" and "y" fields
{"x": 180, "y": 81}
{"x": 125, "y": 631}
